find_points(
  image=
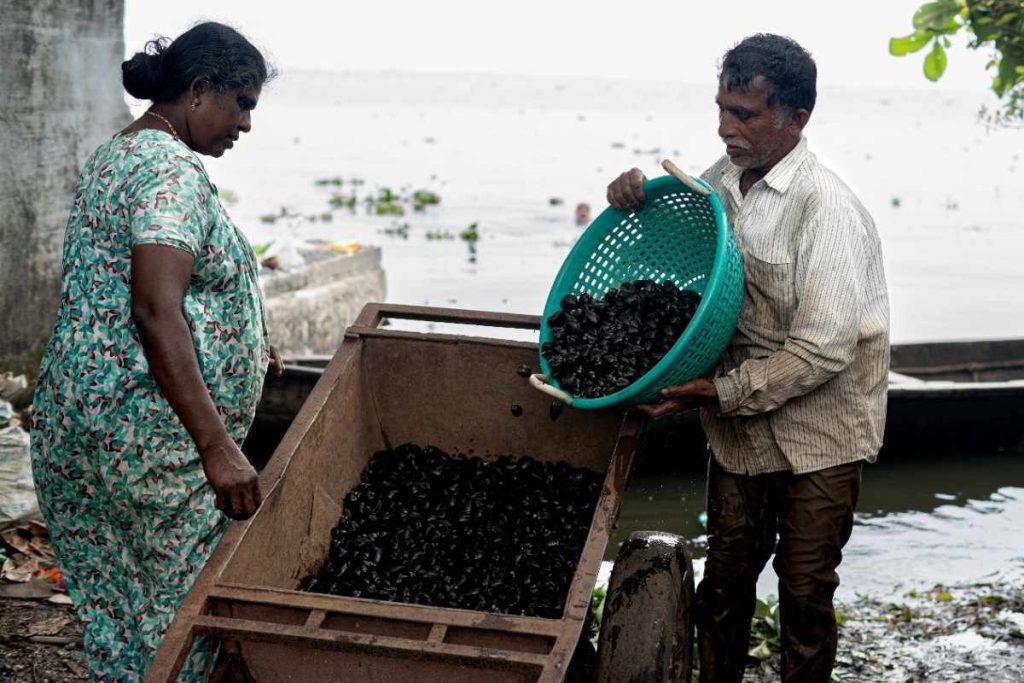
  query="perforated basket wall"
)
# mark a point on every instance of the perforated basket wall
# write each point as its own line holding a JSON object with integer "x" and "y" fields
{"x": 678, "y": 235}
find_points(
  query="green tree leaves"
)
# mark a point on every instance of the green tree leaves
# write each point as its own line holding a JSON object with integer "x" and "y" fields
{"x": 939, "y": 17}
{"x": 933, "y": 23}
{"x": 915, "y": 41}
{"x": 935, "y": 63}
{"x": 997, "y": 24}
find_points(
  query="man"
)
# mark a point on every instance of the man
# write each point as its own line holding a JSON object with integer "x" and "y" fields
{"x": 797, "y": 402}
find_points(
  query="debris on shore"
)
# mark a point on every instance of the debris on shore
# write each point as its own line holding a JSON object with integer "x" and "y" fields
{"x": 943, "y": 634}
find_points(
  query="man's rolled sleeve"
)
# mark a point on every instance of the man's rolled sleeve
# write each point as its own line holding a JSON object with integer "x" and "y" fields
{"x": 729, "y": 393}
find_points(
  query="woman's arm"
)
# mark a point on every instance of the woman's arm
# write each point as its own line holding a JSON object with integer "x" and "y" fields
{"x": 160, "y": 277}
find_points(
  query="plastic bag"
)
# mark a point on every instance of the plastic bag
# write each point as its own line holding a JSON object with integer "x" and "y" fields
{"x": 17, "y": 490}
{"x": 284, "y": 251}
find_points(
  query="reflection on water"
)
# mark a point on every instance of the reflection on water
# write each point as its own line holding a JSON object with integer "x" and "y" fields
{"x": 920, "y": 521}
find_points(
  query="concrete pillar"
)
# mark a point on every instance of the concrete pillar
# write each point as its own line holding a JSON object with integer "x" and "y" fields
{"x": 60, "y": 77}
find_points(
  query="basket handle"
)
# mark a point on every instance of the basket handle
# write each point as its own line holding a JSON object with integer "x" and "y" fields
{"x": 540, "y": 383}
{"x": 684, "y": 179}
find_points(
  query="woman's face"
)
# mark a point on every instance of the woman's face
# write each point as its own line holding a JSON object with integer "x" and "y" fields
{"x": 220, "y": 118}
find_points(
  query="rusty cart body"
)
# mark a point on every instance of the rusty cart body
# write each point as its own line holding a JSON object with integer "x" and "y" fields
{"x": 382, "y": 388}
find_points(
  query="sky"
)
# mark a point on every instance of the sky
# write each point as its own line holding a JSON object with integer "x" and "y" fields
{"x": 678, "y": 40}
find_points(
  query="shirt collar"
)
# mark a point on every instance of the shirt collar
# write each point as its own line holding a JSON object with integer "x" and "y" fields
{"x": 781, "y": 174}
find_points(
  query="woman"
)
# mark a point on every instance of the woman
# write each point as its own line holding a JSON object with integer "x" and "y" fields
{"x": 151, "y": 376}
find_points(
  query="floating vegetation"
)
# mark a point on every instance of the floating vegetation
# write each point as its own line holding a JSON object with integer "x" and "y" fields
{"x": 439, "y": 235}
{"x": 397, "y": 230}
{"x": 389, "y": 209}
{"x": 386, "y": 203}
{"x": 556, "y": 201}
{"x": 428, "y": 528}
{"x": 283, "y": 213}
{"x": 470, "y": 234}
{"x": 424, "y": 198}
{"x": 599, "y": 346}
{"x": 227, "y": 196}
{"x": 383, "y": 202}
{"x": 335, "y": 181}
{"x": 339, "y": 201}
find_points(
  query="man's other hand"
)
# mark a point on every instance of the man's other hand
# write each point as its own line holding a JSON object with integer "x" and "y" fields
{"x": 679, "y": 399}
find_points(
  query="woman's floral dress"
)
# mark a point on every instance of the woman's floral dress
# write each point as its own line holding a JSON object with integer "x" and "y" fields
{"x": 120, "y": 482}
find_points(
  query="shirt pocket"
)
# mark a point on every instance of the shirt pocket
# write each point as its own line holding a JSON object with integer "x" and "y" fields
{"x": 770, "y": 295}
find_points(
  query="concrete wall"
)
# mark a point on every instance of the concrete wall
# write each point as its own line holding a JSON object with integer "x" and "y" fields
{"x": 308, "y": 310}
{"x": 60, "y": 80}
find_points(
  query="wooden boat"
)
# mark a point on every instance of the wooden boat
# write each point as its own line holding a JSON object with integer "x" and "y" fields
{"x": 964, "y": 395}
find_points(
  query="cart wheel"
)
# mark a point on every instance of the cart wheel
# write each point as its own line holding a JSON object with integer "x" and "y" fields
{"x": 647, "y": 627}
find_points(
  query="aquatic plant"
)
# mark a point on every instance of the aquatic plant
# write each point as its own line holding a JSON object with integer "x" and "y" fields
{"x": 765, "y": 629}
{"x": 284, "y": 212}
{"x": 339, "y": 201}
{"x": 389, "y": 209}
{"x": 424, "y": 198}
{"x": 397, "y": 230}
{"x": 470, "y": 234}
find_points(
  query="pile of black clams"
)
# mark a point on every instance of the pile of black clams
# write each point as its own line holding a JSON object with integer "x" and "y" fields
{"x": 599, "y": 346}
{"x": 428, "y": 528}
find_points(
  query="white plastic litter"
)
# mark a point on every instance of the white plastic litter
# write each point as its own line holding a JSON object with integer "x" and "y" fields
{"x": 17, "y": 491}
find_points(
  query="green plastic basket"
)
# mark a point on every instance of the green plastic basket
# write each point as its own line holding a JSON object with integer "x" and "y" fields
{"x": 680, "y": 235}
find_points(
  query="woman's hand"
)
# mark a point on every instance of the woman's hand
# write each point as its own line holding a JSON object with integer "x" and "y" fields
{"x": 276, "y": 364}
{"x": 679, "y": 399}
{"x": 234, "y": 480}
{"x": 627, "y": 191}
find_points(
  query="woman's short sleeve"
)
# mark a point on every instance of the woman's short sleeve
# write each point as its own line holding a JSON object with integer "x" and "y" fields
{"x": 167, "y": 199}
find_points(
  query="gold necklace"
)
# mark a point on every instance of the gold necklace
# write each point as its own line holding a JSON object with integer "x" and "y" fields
{"x": 164, "y": 119}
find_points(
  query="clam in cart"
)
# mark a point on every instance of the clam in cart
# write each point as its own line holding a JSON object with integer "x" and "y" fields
{"x": 385, "y": 387}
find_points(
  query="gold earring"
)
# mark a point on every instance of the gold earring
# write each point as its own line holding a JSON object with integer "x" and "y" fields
{"x": 195, "y": 103}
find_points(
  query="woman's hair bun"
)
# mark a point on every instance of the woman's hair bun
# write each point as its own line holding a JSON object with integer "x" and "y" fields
{"x": 143, "y": 74}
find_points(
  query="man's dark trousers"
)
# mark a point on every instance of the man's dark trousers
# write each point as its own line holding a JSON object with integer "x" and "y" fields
{"x": 806, "y": 520}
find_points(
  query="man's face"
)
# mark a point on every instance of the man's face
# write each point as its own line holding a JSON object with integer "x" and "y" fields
{"x": 756, "y": 136}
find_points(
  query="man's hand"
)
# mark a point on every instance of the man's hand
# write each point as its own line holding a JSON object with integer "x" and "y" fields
{"x": 233, "y": 479}
{"x": 679, "y": 399}
{"x": 276, "y": 364}
{"x": 627, "y": 191}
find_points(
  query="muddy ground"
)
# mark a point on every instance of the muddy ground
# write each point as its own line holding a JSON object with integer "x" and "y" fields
{"x": 40, "y": 643}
